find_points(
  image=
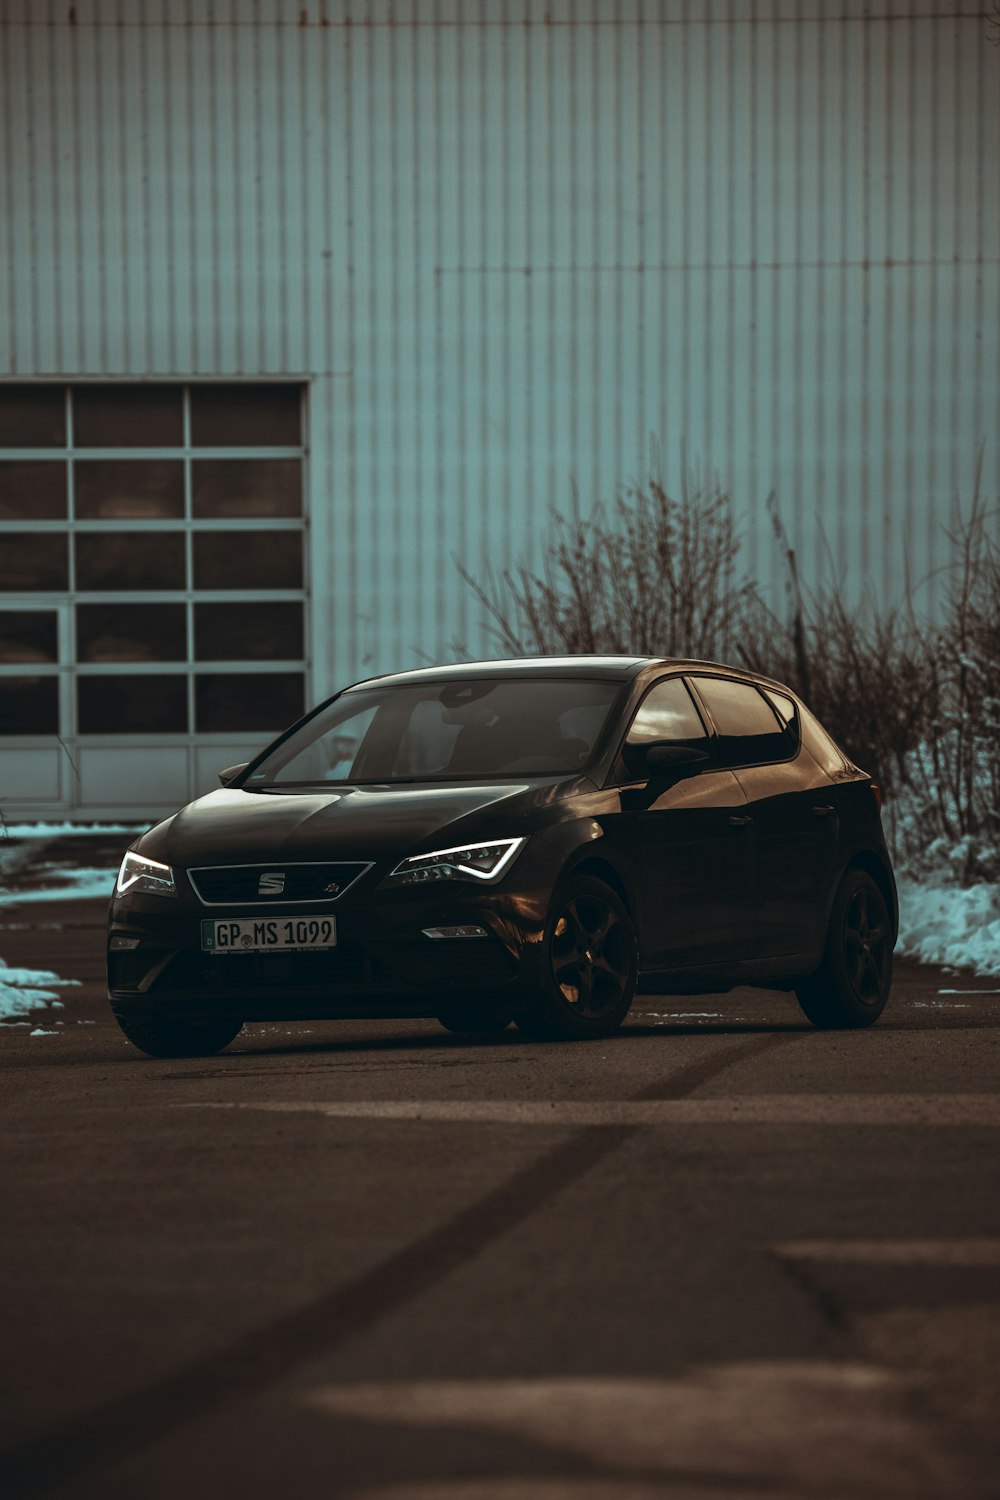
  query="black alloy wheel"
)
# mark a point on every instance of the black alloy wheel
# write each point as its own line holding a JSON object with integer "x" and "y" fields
{"x": 590, "y": 965}
{"x": 851, "y": 987}
{"x": 169, "y": 1037}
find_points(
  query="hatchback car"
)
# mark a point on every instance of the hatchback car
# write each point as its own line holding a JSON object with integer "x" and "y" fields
{"x": 513, "y": 840}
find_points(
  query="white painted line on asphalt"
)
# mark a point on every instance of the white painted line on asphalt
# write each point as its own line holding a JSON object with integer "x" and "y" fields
{"x": 969, "y": 992}
{"x": 895, "y": 1252}
{"x": 706, "y": 1430}
{"x": 767, "y": 1109}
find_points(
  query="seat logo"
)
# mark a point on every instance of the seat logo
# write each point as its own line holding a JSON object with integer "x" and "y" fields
{"x": 272, "y": 883}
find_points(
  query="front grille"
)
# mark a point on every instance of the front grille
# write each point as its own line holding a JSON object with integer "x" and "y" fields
{"x": 284, "y": 885}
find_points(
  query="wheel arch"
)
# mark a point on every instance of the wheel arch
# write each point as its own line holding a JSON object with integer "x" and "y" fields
{"x": 868, "y": 861}
{"x": 601, "y": 869}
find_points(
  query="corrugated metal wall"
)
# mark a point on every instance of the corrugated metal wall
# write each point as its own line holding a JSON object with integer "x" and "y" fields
{"x": 508, "y": 241}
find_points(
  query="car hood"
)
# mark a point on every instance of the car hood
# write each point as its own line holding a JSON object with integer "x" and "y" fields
{"x": 361, "y": 822}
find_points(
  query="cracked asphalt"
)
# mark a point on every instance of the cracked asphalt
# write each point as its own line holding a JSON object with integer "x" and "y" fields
{"x": 721, "y": 1254}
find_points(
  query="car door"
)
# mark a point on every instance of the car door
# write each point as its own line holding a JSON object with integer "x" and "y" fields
{"x": 687, "y": 839}
{"x": 794, "y": 817}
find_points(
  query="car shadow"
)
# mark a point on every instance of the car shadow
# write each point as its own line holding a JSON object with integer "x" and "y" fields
{"x": 511, "y": 1041}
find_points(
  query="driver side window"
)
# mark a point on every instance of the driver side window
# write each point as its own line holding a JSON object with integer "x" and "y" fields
{"x": 667, "y": 713}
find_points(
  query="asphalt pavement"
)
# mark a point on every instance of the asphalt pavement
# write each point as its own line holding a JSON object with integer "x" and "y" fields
{"x": 719, "y": 1255}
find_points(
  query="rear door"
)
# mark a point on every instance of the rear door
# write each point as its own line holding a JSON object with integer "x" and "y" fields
{"x": 790, "y": 799}
{"x": 690, "y": 842}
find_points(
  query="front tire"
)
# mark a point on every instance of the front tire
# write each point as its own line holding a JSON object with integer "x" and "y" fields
{"x": 851, "y": 987}
{"x": 590, "y": 965}
{"x": 169, "y": 1037}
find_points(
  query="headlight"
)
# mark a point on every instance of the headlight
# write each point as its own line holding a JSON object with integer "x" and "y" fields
{"x": 145, "y": 876}
{"x": 464, "y": 862}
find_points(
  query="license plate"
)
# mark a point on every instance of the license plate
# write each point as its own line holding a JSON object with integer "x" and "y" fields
{"x": 281, "y": 935}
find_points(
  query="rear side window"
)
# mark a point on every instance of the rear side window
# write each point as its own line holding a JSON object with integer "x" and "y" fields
{"x": 666, "y": 713}
{"x": 783, "y": 706}
{"x": 749, "y": 730}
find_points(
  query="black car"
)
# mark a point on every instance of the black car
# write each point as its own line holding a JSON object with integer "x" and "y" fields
{"x": 513, "y": 840}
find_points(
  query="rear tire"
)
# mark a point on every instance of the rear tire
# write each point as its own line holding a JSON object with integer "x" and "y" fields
{"x": 165, "y": 1037}
{"x": 851, "y": 987}
{"x": 590, "y": 964}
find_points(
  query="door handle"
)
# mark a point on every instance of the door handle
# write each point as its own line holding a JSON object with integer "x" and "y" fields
{"x": 739, "y": 822}
{"x": 822, "y": 812}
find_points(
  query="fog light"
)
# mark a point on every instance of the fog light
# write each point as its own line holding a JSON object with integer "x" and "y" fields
{"x": 455, "y": 932}
{"x": 123, "y": 944}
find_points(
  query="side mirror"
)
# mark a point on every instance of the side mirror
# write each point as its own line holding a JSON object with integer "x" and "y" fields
{"x": 229, "y": 775}
{"x": 664, "y": 759}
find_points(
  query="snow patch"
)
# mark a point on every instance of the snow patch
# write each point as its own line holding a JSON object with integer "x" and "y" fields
{"x": 25, "y": 990}
{"x": 73, "y": 885}
{"x": 60, "y": 830}
{"x": 946, "y": 925}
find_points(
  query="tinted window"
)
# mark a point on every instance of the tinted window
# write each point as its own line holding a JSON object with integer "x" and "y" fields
{"x": 29, "y": 635}
{"x": 140, "y": 560}
{"x": 32, "y": 416}
{"x": 327, "y": 757}
{"x": 128, "y": 416}
{"x": 229, "y": 701}
{"x": 34, "y": 561}
{"x": 455, "y": 732}
{"x": 666, "y": 713}
{"x": 131, "y": 632}
{"x": 132, "y": 705}
{"x": 248, "y": 632}
{"x": 33, "y": 491}
{"x": 122, "y": 489}
{"x": 248, "y": 560}
{"x": 247, "y": 487}
{"x": 29, "y": 705}
{"x": 240, "y": 416}
{"x": 748, "y": 729}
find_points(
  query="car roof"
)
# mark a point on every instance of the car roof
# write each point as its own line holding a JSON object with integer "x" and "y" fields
{"x": 611, "y": 668}
{"x": 617, "y": 668}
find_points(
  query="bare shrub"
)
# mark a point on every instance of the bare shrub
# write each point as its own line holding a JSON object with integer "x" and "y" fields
{"x": 863, "y": 670}
{"x": 918, "y": 706}
{"x": 955, "y": 774}
{"x": 651, "y": 575}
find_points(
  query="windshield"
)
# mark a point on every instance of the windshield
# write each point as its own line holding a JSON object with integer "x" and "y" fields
{"x": 458, "y": 731}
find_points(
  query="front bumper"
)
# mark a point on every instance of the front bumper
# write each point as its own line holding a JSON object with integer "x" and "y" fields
{"x": 383, "y": 964}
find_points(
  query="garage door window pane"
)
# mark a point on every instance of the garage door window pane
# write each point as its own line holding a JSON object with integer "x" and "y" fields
{"x": 129, "y": 489}
{"x": 131, "y": 632}
{"x": 132, "y": 705}
{"x": 33, "y": 492}
{"x": 128, "y": 416}
{"x": 234, "y": 416}
{"x": 29, "y": 705}
{"x": 248, "y": 560}
{"x": 247, "y": 487}
{"x": 148, "y": 560}
{"x": 32, "y": 416}
{"x": 248, "y": 632}
{"x": 255, "y": 701}
{"x": 32, "y": 560}
{"x": 28, "y": 635}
